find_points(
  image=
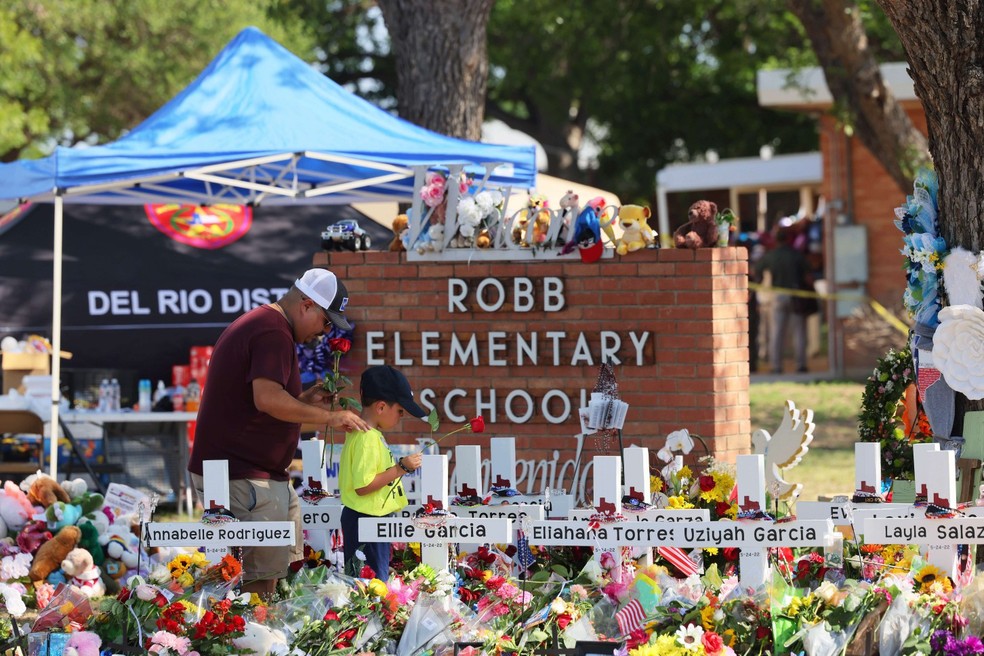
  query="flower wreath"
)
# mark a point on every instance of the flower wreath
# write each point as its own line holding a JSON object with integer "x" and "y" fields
{"x": 880, "y": 420}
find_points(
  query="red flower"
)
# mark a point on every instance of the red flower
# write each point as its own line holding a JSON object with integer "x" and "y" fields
{"x": 637, "y": 638}
{"x": 762, "y": 632}
{"x": 477, "y": 424}
{"x": 731, "y": 553}
{"x": 347, "y": 634}
{"x": 123, "y": 595}
{"x": 331, "y": 616}
{"x": 712, "y": 642}
{"x": 722, "y": 508}
{"x": 706, "y": 483}
{"x": 260, "y": 613}
{"x": 563, "y": 620}
{"x": 367, "y": 572}
{"x": 339, "y": 344}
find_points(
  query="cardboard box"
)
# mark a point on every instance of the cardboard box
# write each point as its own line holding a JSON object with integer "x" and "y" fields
{"x": 18, "y": 365}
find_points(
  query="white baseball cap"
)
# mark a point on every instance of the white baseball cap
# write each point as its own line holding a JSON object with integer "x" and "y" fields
{"x": 322, "y": 287}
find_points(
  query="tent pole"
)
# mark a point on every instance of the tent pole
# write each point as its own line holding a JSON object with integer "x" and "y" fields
{"x": 56, "y": 320}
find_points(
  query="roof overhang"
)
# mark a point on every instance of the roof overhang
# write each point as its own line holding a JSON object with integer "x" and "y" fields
{"x": 807, "y": 87}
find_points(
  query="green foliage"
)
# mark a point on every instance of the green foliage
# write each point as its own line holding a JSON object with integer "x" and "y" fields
{"x": 87, "y": 70}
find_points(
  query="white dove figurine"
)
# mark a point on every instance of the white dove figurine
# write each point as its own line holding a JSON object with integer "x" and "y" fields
{"x": 784, "y": 448}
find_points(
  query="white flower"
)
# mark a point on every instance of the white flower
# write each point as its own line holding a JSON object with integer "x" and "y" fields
{"x": 690, "y": 635}
{"x": 958, "y": 349}
{"x": 827, "y": 591}
{"x": 146, "y": 592}
{"x": 558, "y": 606}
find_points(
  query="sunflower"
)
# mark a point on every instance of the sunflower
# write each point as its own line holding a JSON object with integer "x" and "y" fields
{"x": 933, "y": 579}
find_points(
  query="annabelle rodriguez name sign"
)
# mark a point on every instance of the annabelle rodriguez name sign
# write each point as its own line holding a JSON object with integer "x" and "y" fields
{"x": 681, "y": 534}
{"x": 233, "y": 534}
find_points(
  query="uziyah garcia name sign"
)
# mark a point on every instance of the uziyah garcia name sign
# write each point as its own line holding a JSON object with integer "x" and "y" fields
{"x": 675, "y": 534}
{"x": 233, "y": 534}
{"x": 455, "y": 529}
{"x": 500, "y": 348}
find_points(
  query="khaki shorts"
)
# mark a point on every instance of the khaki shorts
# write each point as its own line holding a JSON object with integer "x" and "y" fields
{"x": 263, "y": 500}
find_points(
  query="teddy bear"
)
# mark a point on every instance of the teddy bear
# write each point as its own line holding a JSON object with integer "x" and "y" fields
{"x": 82, "y": 573}
{"x": 483, "y": 239}
{"x": 431, "y": 241}
{"x": 700, "y": 230}
{"x": 541, "y": 228}
{"x": 636, "y": 232}
{"x": 83, "y": 643}
{"x": 43, "y": 490}
{"x": 123, "y": 553}
{"x": 400, "y": 224}
{"x": 519, "y": 228}
{"x": 53, "y": 552}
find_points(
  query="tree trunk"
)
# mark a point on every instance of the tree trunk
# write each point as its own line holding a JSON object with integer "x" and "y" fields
{"x": 945, "y": 44}
{"x": 856, "y": 84}
{"x": 441, "y": 63}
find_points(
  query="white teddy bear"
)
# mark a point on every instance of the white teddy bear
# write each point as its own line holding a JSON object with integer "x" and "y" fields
{"x": 82, "y": 573}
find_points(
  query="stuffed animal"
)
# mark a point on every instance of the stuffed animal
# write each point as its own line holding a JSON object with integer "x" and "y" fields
{"x": 400, "y": 224}
{"x": 90, "y": 541}
{"x": 568, "y": 207}
{"x": 75, "y": 488}
{"x": 636, "y": 232}
{"x": 32, "y": 536}
{"x": 123, "y": 554}
{"x": 431, "y": 241}
{"x": 483, "y": 240}
{"x": 15, "y": 509}
{"x": 700, "y": 230}
{"x": 83, "y": 643}
{"x": 82, "y": 573}
{"x": 53, "y": 552}
{"x": 61, "y": 514}
{"x": 541, "y": 226}
{"x": 43, "y": 490}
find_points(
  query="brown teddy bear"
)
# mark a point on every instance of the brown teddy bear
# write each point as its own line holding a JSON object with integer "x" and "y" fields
{"x": 700, "y": 230}
{"x": 399, "y": 225}
{"x": 51, "y": 554}
{"x": 44, "y": 491}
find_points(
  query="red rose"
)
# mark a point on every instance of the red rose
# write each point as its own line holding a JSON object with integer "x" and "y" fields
{"x": 367, "y": 572}
{"x": 347, "y": 634}
{"x": 477, "y": 425}
{"x": 762, "y": 632}
{"x": 722, "y": 508}
{"x": 123, "y": 595}
{"x": 712, "y": 643}
{"x": 563, "y": 620}
{"x": 731, "y": 553}
{"x": 706, "y": 483}
{"x": 331, "y": 616}
{"x": 339, "y": 344}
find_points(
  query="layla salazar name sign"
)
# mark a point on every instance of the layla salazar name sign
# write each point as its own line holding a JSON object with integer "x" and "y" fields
{"x": 455, "y": 529}
{"x": 238, "y": 534}
{"x": 920, "y": 530}
{"x": 681, "y": 534}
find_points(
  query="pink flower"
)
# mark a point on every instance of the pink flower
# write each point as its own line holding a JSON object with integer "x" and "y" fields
{"x": 163, "y": 642}
{"x": 43, "y": 593}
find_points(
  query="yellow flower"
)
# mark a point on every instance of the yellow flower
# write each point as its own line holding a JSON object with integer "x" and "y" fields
{"x": 378, "y": 588}
{"x": 679, "y": 503}
{"x": 933, "y": 579}
{"x": 684, "y": 473}
{"x": 711, "y": 551}
{"x": 707, "y": 617}
{"x": 254, "y": 599}
{"x": 655, "y": 484}
{"x": 729, "y": 637}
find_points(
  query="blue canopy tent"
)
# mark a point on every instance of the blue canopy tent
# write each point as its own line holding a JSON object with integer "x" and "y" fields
{"x": 258, "y": 125}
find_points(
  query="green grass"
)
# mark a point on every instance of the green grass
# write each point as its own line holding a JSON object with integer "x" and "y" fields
{"x": 828, "y": 468}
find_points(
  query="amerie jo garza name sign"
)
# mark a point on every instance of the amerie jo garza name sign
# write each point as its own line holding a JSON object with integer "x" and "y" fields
{"x": 500, "y": 348}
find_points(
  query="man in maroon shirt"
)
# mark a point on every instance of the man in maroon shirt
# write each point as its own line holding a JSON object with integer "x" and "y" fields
{"x": 252, "y": 409}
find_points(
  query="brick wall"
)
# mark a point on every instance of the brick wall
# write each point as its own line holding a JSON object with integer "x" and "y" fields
{"x": 695, "y": 361}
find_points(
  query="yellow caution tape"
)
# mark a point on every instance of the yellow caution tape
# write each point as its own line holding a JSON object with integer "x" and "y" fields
{"x": 879, "y": 309}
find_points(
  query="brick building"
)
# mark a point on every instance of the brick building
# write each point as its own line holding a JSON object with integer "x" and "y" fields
{"x": 862, "y": 244}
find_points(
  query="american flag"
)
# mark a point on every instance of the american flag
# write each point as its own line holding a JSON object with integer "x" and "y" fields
{"x": 523, "y": 552}
{"x": 679, "y": 559}
{"x": 630, "y": 617}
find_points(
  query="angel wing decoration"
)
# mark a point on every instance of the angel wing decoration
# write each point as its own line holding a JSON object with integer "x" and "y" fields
{"x": 785, "y": 448}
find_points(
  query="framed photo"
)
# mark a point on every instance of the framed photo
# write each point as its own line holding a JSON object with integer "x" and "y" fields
{"x": 595, "y": 648}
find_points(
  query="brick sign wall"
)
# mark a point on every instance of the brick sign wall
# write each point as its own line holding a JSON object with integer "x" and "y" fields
{"x": 521, "y": 342}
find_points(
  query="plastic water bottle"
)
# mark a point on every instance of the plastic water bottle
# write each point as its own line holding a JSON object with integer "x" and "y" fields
{"x": 103, "y": 405}
{"x": 114, "y": 395}
{"x": 160, "y": 392}
{"x": 193, "y": 396}
{"x": 143, "y": 395}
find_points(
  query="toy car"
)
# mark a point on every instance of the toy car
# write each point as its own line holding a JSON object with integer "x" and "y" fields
{"x": 345, "y": 235}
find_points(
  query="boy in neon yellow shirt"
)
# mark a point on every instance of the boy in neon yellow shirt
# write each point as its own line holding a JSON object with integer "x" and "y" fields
{"x": 369, "y": 479}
